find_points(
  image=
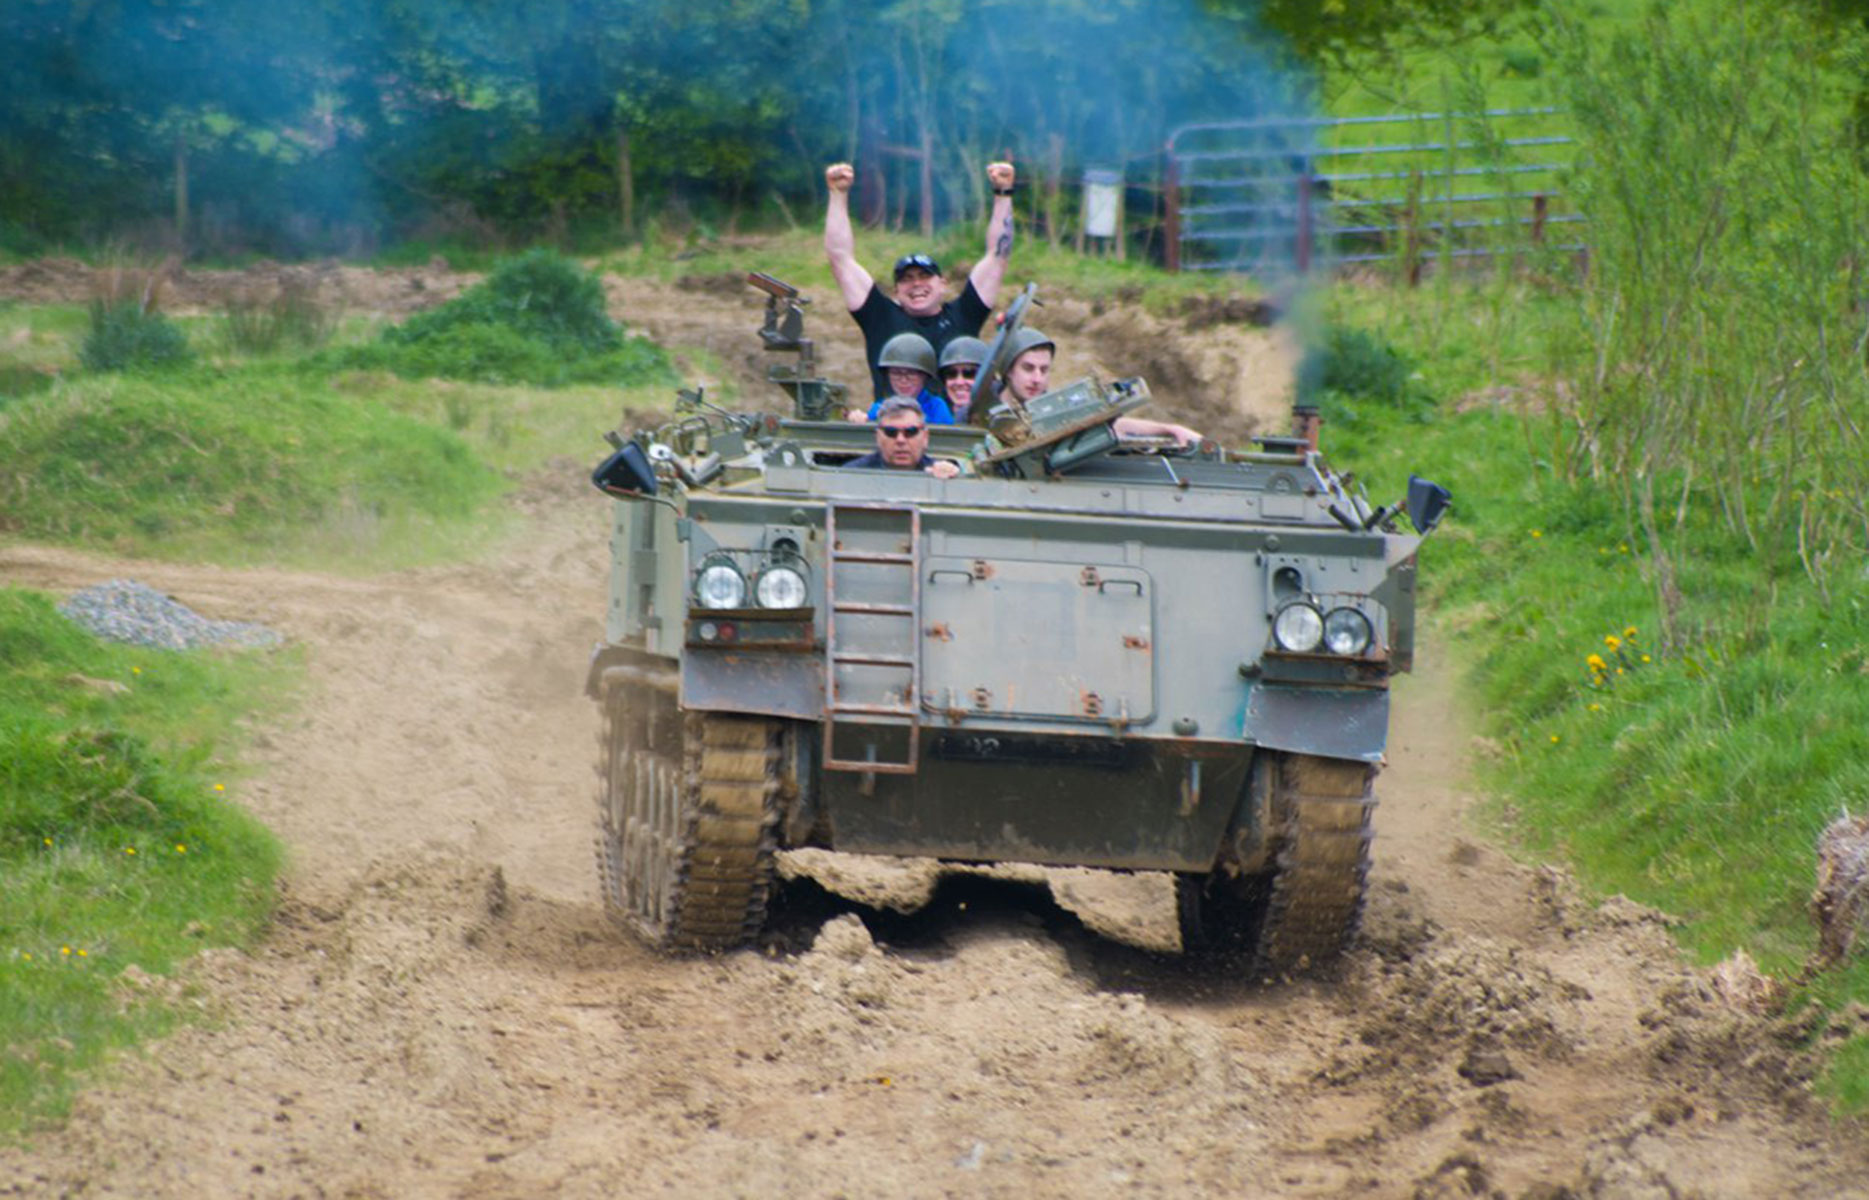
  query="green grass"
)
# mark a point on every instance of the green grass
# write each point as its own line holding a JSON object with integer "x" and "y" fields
{"x": 37, "y": 343}
{"x": 513, "y": 430}
{"x": 262, "y": 464}
{"x": 121, "y": 845}
{"x": 1692, "y": 774}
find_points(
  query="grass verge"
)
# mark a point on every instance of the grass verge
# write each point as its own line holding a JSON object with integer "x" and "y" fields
{"x": 1691, "y": 773}
{"x": 259, "y": 464}
{"x": 120, "y": 851}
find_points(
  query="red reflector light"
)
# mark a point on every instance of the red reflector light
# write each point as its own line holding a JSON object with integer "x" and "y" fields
{"x": 727, "y": 631}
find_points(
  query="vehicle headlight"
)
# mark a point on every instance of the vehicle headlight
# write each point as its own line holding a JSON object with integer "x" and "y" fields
{"x": 780, "y": 587}
{"x": 720, "y": 585}
{"x": 1298, "y": 628}
{"x": 1346, "y": 631}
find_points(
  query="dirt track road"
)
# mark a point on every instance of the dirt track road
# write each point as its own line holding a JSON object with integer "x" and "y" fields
{"x": 442, "y": 1011}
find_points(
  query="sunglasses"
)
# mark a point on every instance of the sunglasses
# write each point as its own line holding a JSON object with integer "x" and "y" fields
{"x": 900, "y": 431}
{"x": 959, "y": 372}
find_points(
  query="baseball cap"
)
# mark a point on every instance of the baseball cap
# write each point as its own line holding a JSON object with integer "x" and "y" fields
{"x": 916, "y": 262}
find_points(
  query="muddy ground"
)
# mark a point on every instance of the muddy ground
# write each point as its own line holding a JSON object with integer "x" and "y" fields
{"x": 441, "y": 1009}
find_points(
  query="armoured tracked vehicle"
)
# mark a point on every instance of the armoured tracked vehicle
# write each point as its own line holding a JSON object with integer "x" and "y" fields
{"x": 1078, "y": 652}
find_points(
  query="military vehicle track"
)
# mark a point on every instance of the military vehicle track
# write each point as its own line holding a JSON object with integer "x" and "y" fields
{"x": 1297, "y": 909}
{"x": 686, "y": 811}
{"x": 1322, "y": 808}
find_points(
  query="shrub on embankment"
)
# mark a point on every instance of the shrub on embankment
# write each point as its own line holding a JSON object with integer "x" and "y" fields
{"x": 538, "y": 318}
{"x": 121, "y": 851}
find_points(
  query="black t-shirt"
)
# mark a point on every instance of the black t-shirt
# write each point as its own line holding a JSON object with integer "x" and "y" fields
{"x": 881, "y": 318}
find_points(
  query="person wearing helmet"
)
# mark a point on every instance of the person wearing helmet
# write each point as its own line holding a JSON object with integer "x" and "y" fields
{"x": 918, "y": 306}
{"x": 960, "y": 362}
{"x": 1028, "y": 377}
{"x": 908, "y": 363}
{"x": 902, "y": 441}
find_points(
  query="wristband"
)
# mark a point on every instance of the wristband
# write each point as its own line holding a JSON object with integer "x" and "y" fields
{"x": 1002, "y": 191}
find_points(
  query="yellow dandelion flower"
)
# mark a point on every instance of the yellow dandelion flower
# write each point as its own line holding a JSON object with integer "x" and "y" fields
{"x": 48, "y": 841}
{"x": 84, "y": 954}
{"x": 27, "y": 957}
{"x": 1622, "y": 547}
{"x": 1596, "y": 708}
{"x": 1619, "y": 671}
{"x": 129, "y": 850}
{"x": 65, "y": 950}
{"x": 180, "y": 849}
{"x": 1595, "y": 663}
{"x": 1629, "y": 633}
{"x": 1646, "y": 658}
{"x": 220, "y": 787}
{"x": 136, "y": 670}
{"x": 1555, "y": 739}
{"x": 1538, "y": 533}
{"x": 1612, "y": 641}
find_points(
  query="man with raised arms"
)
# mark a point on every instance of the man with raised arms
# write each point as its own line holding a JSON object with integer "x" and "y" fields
{"x": 918, "y": 305}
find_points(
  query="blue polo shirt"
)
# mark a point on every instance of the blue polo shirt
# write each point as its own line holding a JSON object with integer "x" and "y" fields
{"x": 934, "y": 409}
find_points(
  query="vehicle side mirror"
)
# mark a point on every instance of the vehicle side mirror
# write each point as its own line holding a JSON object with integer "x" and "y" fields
{"x": 627, "y": 473}
{"x": 1427, "y": 503}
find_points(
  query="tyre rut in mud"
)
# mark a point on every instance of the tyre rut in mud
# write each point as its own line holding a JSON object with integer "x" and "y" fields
{"x": 686, "y": 808}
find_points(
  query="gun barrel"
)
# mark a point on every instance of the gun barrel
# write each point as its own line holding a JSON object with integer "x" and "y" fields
{"x": 772, "y": 287}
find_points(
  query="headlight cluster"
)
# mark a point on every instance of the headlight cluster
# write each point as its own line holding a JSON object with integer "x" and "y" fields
{"x": 1300, "y": 628}
{"x": 720, "y": 584}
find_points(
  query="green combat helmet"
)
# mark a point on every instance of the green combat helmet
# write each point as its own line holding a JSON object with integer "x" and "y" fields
{"x": 910, "y": 350}
{"x": 1025, "y": 339}
{"x": 963, "y": 351}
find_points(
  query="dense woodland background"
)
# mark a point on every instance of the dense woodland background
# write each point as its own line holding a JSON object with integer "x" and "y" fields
{"x": 339, "y": 126}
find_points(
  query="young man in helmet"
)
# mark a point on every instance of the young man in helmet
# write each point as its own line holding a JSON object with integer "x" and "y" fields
{"x": 960, "y": 362}
{"x": 918, "y": 306}
{"x": 1029, "y": 377}
{"x": 908, "y": 362}
{"x": 902, "y": 441}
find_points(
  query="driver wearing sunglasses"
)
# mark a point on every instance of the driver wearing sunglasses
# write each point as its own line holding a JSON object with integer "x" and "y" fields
{"x": 902, "y": 441}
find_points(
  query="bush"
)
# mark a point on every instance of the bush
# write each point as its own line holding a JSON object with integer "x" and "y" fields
{"x": 1356, "y": 365}
{"x": 541, "y": 295}
{"x": 125, "y": 336}
{"x": 536, "y": 319}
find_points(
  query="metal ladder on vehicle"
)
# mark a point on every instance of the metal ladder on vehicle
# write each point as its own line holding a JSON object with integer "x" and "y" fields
{"x": 872, "y": 642}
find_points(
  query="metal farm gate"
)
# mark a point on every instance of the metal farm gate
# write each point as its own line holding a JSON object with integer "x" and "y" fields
{"x": 1276, "y": 197}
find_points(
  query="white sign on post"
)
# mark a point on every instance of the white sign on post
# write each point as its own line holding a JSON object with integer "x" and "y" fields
{"x": 1103, "y": 197}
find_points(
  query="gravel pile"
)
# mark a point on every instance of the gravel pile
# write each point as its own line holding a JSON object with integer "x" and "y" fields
{"x": 122, "y": 610}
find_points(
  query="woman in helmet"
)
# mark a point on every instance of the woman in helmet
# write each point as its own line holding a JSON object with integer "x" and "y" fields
{"x": 909, "y": 362}
{"x": 960, "y": 362}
